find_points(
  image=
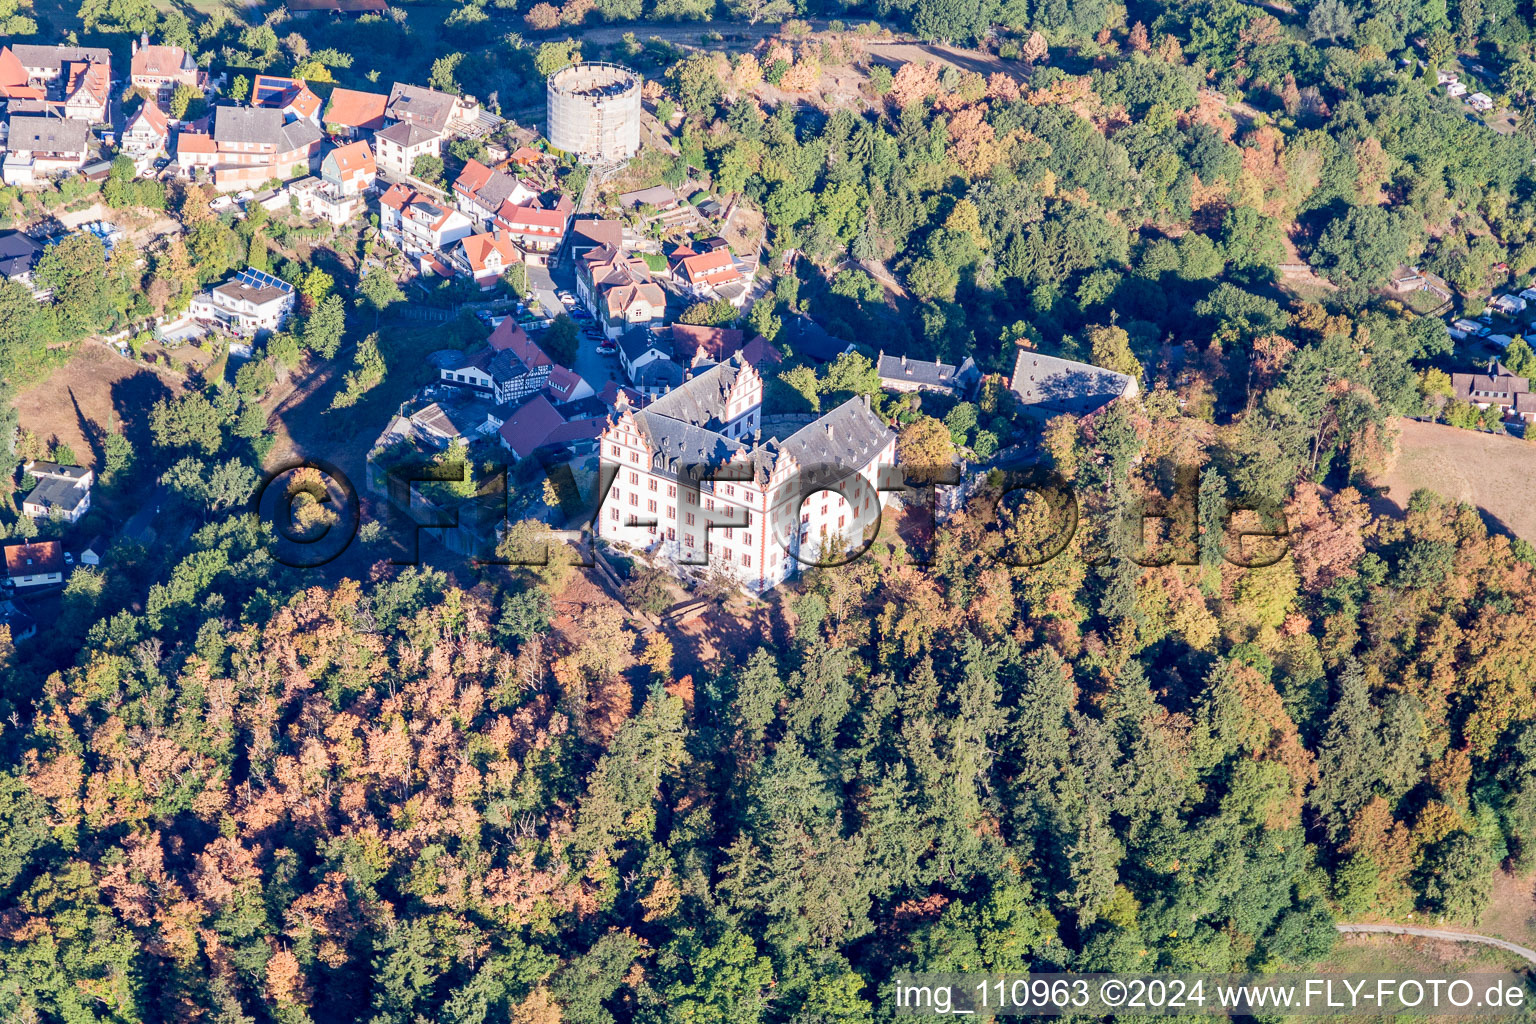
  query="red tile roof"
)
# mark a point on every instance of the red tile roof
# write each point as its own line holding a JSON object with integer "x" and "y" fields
{"x": 562, "y": 382}
{"x": 478, "y": 248}
{"x": 283, "y": 93}
{"x": 354, "y": 109}
{"x": 528, "y": 428}
{"x": 525, "y": 156}
{"x": 534, "y": 220}
{"x": 151, "y": 113}
{"x": 709, "y": 268}
{"x": 35, "y": 558}
{"x": 511, "y": 336}
{"x": 353, "y": 158}
{"x": 158, "y": 61}
{"x": 718, "y": 343}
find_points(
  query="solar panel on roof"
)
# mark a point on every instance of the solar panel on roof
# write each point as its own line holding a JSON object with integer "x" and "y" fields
{"x": 254, "y": 278}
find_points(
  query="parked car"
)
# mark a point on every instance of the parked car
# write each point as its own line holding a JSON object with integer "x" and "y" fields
{"x": 580, "y": 314}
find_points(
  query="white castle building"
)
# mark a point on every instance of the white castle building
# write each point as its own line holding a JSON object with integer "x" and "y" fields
{"x": 694, "y": 480}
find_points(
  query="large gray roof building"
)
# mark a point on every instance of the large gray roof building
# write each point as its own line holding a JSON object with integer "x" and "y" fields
{"x": 1053, "y": 385}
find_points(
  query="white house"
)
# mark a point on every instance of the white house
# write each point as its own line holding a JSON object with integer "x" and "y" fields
{"x": 40, "y": 147}
{"x": 399, "y": 145}
{"x": 1456, "y": 89}
{"x": 35, "y": 563}
{"x": 249, "y": 303}
{"x": 148, "y": 132}
{"x": 484, "y": 257}
{"x": 62, "y": 490}
{"x": 1508, "y": 305}
{"x": 418, "y": 223}
{"x": 1480, "y": 101}
{"x": 1465, "y": 328}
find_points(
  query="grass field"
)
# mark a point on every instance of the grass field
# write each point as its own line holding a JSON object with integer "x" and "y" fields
{"x": 1494, "y": 472}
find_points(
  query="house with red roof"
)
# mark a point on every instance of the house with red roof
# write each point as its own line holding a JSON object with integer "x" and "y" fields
{"x": 159, "y": 69}
{"x": 354, "y": 114}
{"x": 416, "y": 223}
{"x": 479, "y": 191}
{"x": 539, "y": 426}
{"x": 15, "y": 83}
{"x": 525, "y": 157}
{"x": 709, "y": 275}
{"x": 148, "y": 132}
{"x": 289, "y": 95}
{"x": 565, "y": 385}
{"x": 485, "y": 257}
{"x": 350, "y": 169}
{"x": 536, "y": 230}
{"x": 247, "y": 146}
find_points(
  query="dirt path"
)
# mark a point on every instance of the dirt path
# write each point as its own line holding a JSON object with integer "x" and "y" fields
{"x": 1436, "y": 933}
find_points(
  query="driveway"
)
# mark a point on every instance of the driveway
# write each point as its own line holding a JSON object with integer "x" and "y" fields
{"x": 596, "y": 369}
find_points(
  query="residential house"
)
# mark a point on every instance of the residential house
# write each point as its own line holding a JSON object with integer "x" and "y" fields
{"x": 148, "y": 132}
{"x": 898, "y": 373}
{"x": 1464, "y": 328}
{"x": 1480, "y": 101}
{"x": 778, "y": 504}
{"x": 629, "y": 305}
{"x": 158, "y": 70}
{"x": 61, "y": 490}
{"x": 349, "y": 169}
{"x": 1499, "y": 341}
{"x": 639, "y": 348}
{"x": 619, "y": 290}
{"x": 417, "y": 223}
{"x": 400, "y": 145}
{"x": 588, "y": 234}
{"x": 51, "y": 65}
{"x": 1050, "y": 385}
{"x": 485, "y": 257}
{"x": 87, "y": 92}
{"x": 1499, "y": 388}
{"x": 291, "y": 96}
{"x": 1445, "y": 77}
{"x": 249, "y": 146}
{"x": 19, "y": 254}
{"x": 250, "y": 303}
{"x": 353, "y": 114}
{"x": 540, "y": 427}
{"x": 564, "y": 386}
{"x": 709, "y": 275}
{"x": 480, "y": 191}
{"x": 325, "y": 201}
{"x": 509, "y": 368}
{"x": 538, "y": 231}
{"x": 1456, "y": 89}
{"x": 38, "y": 148}
{"x": 15, "y": 617}
{"x": 437, "y": 112}
{"x": 526, "y": 157}
{"x": 35, "y": 563}
{"x": 1528, "y": 296}
{"x": 15, "y": 82}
